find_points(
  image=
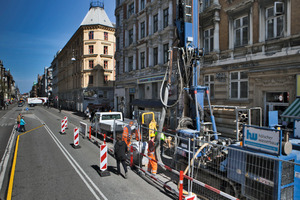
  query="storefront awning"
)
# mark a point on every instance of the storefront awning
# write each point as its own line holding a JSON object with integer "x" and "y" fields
{"x": 149, "y": 103}
{"x": 292, "y": 112}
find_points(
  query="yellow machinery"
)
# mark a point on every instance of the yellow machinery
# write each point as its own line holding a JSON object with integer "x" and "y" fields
{"x": 152, "y": 125}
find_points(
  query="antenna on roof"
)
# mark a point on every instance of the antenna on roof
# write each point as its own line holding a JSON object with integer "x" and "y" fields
{"x": 97, "y": 4}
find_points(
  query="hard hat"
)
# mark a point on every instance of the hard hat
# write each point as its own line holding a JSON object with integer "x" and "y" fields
{"x": 152, "y": 135}
{"x": 131, "y": 123}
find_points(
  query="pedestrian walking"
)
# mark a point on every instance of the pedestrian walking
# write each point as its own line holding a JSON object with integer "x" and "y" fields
{"x": 18, "y": 121}
{"x": 22, "y": 124}
{"x": 60, "y": 108}
{"x": 120, "y": 154}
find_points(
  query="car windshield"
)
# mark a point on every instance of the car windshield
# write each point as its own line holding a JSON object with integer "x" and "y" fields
{"x": 110, "y": 117}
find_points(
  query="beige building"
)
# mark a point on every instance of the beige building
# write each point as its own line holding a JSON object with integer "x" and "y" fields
{"x": 85, "y": 66}
{"x": 251, "y": 52}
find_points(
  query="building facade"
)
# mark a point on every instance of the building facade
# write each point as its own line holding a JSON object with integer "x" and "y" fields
{"x": 8, "y": 89}
{"x": 84, "y": 70}
{"x": 251, "y": 52}
{"x": 144, "y": 34}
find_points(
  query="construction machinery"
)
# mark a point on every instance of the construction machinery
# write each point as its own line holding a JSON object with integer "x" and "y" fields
{"x": 248, "y": 162}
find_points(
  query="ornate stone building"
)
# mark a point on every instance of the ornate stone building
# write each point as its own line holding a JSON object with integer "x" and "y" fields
{"x": 144, "y": 34}
{"x": 251, "y": 52}
{"x": 85, "y": 66}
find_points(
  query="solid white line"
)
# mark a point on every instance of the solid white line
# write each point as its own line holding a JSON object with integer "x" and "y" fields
{"x": 6, "y": 155}
{"x": 73, "y": 162}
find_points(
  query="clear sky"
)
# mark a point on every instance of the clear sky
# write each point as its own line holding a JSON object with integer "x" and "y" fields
{"x": 32, "y": 31}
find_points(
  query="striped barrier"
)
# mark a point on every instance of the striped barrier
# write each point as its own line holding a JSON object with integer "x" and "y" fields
{"x": 66, "y": 122}
{"x": 76, "y": 138}
{"x": 103, "y": 160}
{"x": 62, "y": 127}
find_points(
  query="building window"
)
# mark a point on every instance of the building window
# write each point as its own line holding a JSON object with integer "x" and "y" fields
{"x": 209, "y": 81}
{"x": 155, "y": 23}
{"x": 166, "y": 17}
{"x": 91, "y": 49}
{"x": 142, "y": 4}
{"x": 105, "y": 35}
{"x": 241, "y": 31}
{"x": 166, "y": 52}
{"x": 91, "y": 35}
{"x": 155, "y": 56}
{"x": 105, "y": 78}
{"x": 206, "y": 3}
{"x": 91, "y": 64}
{"x": 130, "y": 63}
{"x": 105, "y": 64}
{"x": 142, "y": 59}
{"x": 208, "y": 40}
{"x": 130, "y": 9}
{"x": 118, "y": 2}
{"x": 142, "y": 30}
{"x": 91, "y": 80}
{"x": 274, "y": 24}
{"x": 105, "y": 50}
{"x": 130, "y": 34}
{"x": 238, "y": 85}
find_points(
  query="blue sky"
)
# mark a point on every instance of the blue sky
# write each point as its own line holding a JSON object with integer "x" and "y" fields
{"x": 32, "y": 31}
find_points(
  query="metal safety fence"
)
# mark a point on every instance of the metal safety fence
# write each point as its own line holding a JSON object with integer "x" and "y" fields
{"x": 217, "y": 169}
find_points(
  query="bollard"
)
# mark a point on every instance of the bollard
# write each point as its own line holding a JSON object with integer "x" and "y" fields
{"x": 66, "y": 122}
{"x": 90, "y": 136}
{"x": 180, "y": 185}
{"x": 76, "y": 139}
{"x": 104, "y": 138}
{"x": 131, "y": 156}
{"x": 62, "y": 127}
{"x": 103, "y": 161}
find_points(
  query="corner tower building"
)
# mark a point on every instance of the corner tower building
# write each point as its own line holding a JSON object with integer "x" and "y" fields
{"x": 85, "y": 66}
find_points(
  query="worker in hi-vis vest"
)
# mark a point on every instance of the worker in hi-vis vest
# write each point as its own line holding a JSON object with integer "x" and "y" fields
{"x": 152, "y": 165}
{"x": 127, "y": 134}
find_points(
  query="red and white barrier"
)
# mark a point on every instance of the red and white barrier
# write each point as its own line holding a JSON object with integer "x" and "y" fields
{"x": 103, "y": 157}
{"x": 193, "y": 180}
{"x": 103, "y": 160}
{"x": 62, "y": 127}
{"x": 76, "y": 137}
{"x": 66, "y": 122}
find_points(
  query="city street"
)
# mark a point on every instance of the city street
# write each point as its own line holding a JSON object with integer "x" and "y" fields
{"x": 48, "y": 167}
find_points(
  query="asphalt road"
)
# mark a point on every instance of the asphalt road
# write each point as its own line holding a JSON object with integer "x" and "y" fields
{"x": 48, "y": 167}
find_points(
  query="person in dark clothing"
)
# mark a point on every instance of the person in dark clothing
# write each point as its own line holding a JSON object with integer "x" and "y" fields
{"x": 120, "y": 154}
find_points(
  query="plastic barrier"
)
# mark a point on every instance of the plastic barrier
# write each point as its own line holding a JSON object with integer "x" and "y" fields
{"x": 63, "y": 127}
{"x": 90, "y": 133}
{"x": 83, "y": 129}
{"x": 103, "y": 160}
{"x": 66, "y": 122}
{"x": 76, "y": 138}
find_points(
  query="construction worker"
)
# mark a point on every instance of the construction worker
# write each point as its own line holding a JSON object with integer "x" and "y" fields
{"x": 127, "y": 134}
{"x": 138, "y": 136}
{"x": 152, "y": 165}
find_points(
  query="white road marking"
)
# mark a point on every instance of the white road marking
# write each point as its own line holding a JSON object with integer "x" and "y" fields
{"x": 6, "y": 155}
{"x": 91, "y": 186}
